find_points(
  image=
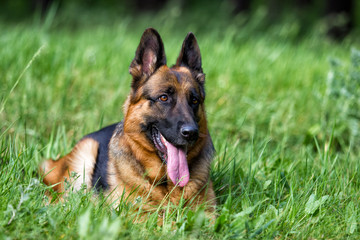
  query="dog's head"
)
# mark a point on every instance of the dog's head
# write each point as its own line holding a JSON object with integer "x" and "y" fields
{"x": 166, "y": 105}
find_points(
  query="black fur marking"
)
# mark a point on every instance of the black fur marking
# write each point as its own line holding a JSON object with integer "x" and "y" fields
{"x": 150, "y": 47}
{"x": 177, "y": 75}
{"x": 103, "y": 136}
{"x": 190, "y": 54}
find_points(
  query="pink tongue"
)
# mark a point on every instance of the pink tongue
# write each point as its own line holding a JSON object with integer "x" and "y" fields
{"x": 177, "y": 166}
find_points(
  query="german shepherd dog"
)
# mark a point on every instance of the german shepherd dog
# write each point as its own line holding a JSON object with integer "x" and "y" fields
{"x": 162, "y": 149}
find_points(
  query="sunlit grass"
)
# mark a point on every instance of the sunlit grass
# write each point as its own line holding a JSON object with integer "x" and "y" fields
{"x": 278, "y": 172}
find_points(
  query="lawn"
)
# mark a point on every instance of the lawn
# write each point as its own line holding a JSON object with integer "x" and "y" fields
{"x": 283, "y": 111}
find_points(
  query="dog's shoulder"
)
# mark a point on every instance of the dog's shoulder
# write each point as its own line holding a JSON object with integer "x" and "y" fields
{"x": 104, "y": 134}
{"x": 103, "y": 137}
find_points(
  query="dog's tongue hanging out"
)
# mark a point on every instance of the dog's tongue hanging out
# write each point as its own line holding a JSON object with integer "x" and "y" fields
{"x": 177, "y": 166}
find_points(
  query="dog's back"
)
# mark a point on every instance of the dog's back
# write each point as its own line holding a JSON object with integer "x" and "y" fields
{"x": 89, "y": 160}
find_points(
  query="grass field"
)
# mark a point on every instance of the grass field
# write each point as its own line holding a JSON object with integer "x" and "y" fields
{"x": 283, "y": 111}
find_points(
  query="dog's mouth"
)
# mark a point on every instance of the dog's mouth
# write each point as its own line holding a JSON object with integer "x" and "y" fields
{"x": 174, "y": 157}
{"x": 159, "y": 142}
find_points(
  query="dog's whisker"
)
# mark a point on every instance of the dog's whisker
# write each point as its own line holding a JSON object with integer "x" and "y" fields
{"x": 202, "y": 135}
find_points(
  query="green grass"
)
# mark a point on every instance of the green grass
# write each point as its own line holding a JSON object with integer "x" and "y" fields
{"x": 282, "y": 169}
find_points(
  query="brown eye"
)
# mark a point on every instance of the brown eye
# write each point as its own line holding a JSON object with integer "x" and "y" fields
{"x": 164, "y": 98}
{"x": 195, "y": 101}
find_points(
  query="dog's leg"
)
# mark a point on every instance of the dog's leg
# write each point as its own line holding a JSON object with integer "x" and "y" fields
{"x": 125, "y": 178}
{"x": 80, "y": 160}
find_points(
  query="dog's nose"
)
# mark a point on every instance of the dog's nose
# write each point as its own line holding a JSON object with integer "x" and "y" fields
{"x": 190, "y": 132}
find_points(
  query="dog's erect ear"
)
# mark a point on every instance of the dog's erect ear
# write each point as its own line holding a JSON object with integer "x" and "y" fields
{"x": 149, "y": 56}
{"x": 190, "y": 57}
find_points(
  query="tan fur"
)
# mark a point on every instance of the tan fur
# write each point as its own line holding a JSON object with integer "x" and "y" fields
{"x": 80, "y": 160}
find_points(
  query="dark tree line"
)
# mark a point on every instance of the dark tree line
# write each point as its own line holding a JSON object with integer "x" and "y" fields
{"x": 340, "y": 14}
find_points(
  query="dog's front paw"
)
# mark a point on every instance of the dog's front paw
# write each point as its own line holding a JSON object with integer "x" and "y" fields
{"x": 191, "y": 190}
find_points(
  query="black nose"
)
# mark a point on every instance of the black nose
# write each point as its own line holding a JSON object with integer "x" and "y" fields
{"x": 190, "y": 132}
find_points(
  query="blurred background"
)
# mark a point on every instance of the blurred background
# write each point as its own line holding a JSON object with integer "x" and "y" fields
{"x": 339, "y": 18}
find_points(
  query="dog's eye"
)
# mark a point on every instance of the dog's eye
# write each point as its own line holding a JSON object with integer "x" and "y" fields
{"x": 195, "y": 101}
{"x": 163, "y": 98}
